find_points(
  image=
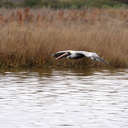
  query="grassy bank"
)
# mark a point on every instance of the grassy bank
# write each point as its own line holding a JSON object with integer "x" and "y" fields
{"x": 29, "y": 37}
{"x": 56, "y": 4}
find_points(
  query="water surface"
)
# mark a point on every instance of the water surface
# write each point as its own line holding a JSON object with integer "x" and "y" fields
{"x": 64, "y": 98}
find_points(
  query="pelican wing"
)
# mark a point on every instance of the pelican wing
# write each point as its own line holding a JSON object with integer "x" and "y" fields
{"x": 99, "y": 59}
{"x": 94, "y": 56}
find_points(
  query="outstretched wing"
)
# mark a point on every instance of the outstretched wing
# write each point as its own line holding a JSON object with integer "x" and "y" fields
{"x": 99, "y": 59}
{"x": 96, "y": 57}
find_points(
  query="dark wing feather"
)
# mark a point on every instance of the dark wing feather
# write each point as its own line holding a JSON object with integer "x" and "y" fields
{"x": 78, "y": 56}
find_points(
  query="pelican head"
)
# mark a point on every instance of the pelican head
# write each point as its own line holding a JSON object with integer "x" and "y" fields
{"x": 62, "y": 54}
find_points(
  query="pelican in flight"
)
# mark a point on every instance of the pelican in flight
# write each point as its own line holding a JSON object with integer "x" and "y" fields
{"x": 78, "y": 54}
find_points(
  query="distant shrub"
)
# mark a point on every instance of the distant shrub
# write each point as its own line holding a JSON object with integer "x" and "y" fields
{"x": 123, "y": 1}
{"x": 101, "y": 3}
{"x": 56, "y": 4}
{"x": 7, "y": 4}
{"x": 73, "y": 3}
{"x": 32, "y": 3}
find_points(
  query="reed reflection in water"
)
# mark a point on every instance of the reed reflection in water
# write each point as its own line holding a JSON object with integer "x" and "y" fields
{"x": 55, "y": 98}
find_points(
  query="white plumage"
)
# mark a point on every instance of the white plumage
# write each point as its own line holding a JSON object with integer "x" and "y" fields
{"x": 77, "y": 55}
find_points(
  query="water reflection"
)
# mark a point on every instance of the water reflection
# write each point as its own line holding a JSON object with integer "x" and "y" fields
{"x": 58, "y": 98}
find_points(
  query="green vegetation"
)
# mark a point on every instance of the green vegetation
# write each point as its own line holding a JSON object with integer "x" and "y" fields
{"x": 6, "y": 4}
{"x": 64, "y": 3}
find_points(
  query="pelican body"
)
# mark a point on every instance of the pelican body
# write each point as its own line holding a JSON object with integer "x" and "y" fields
{"x": 70, "y": 54}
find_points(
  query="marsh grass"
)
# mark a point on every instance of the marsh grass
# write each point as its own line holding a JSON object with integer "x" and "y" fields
{"x": 29, "y": 37}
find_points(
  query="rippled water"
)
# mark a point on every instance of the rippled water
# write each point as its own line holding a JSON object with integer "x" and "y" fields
{"x": 67, "y": 98}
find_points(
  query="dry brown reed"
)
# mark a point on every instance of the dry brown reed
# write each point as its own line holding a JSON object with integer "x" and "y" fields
{"x": 30, "y": 37}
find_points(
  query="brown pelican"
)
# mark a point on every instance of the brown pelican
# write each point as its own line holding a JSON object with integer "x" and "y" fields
{"x": 78, "y": 54}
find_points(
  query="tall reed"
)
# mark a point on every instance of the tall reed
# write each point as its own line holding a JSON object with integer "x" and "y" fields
{"x": 34, "y": 35}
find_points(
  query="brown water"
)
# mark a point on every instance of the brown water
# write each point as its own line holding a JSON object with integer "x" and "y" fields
{"x": 52, "y": 98}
